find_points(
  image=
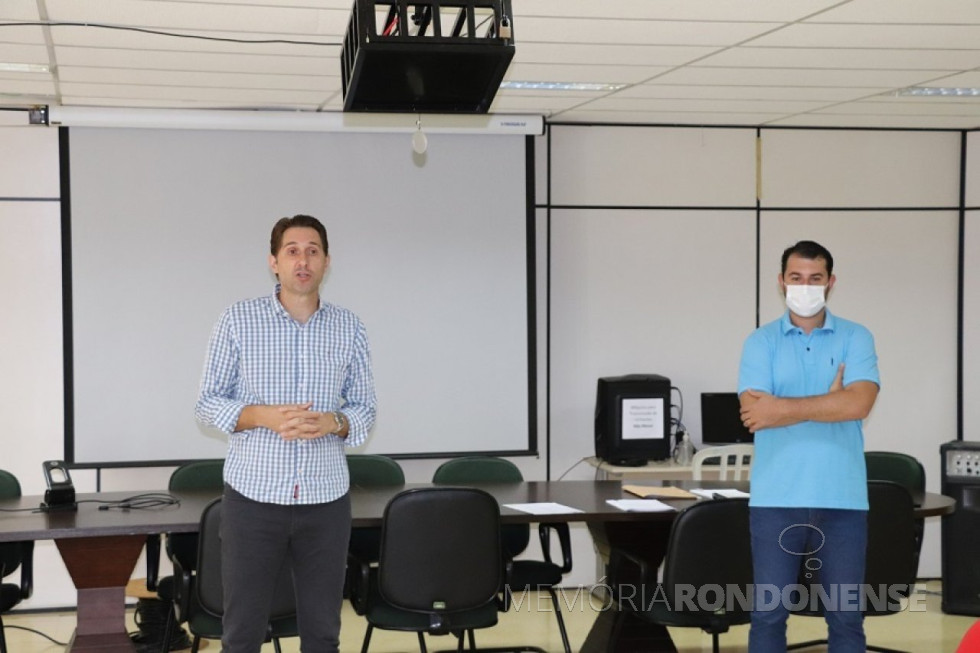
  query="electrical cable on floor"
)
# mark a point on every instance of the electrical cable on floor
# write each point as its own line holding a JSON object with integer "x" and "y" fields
{"x": 37, "y": 632}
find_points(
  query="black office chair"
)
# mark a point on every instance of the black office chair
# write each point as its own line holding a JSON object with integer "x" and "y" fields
{"x": 525, "y": 574}
{"x": 14, "y": 556}
{"x": 441, "y": 569}
{"x": 198, "y": 596}
{"x": 709, "y": 547}
{"x": 908, "y": 472}
{"x": 892, "y": 557}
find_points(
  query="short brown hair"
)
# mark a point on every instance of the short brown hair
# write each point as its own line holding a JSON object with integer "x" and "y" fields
{"x": 275, "y": 242}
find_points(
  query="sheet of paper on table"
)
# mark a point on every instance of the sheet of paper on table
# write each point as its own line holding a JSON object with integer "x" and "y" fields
{"x": 728, "y": 493}
{"x": 546, "y": 508}
{"x": 640, "y": 505}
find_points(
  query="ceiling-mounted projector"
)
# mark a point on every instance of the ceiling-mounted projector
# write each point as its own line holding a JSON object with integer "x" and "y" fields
{"x": 426, "y": 57}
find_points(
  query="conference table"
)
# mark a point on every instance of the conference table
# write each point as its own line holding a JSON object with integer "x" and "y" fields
{"x": 100, "y": 548}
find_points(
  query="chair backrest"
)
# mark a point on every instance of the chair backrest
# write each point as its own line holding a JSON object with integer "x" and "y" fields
{"x": 207, "y": 583}
{"x": 372, "y": 470}
{"x": 487, "y": 469}
{"x": 892, "y": 559}
{"x": 440, "y": 550}
{"x": 741, "y": 461}
{"x": 710, "y": 547}
{"x": 196, "y": 475}
{"x": 199, "y": 475}
{"x": 899, "y": 468}
{"x": 477, "y": 469}
{"x": 11, "y": 553}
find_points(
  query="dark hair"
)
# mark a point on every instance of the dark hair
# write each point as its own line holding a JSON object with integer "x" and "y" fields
{"x": 275, "y": 242}
{"x": 811, "y": 250}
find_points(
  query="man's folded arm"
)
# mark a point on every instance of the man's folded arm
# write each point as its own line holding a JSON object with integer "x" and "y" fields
{"x": 853, "y": 402}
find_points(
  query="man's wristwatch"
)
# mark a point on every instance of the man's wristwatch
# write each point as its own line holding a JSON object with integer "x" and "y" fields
{"x": 341, "y": 420}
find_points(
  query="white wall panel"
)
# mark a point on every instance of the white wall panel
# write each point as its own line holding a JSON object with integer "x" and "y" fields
{"x": 971, "y": 326}
{"x": 622, "y": 166}
{"x": 973, "y": 169}
{"x": 29, "y": 164}
{"x": 852, "y": 168}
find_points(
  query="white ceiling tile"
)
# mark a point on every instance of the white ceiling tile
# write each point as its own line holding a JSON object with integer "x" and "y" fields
{"x": 794, "y": 77}
{"x": 635, "y": 32}
{"x": 251, "y": 96}
{"x": 685, "y": 61}
{"x": 928, "y": 107}
{"x": 609, "y": 54}
{"x": 929, "y": 37}
{"x": 546, "y": 106}
{"x": 759, "y": 57}
{"x": 17, "y": 10}
{"x": 197, "y": 61}
{"x": 690, "y": 10}
{"x": 816, "y": 93}
{"x": 615, "y": 103}
{"x": 126, "y": 40}
{"x": 163, "y": 15}
{"x": 915, "y": 12}
{"x": 197, "y": 79}
{"x": 23, "y": 53}
{"x": 963, "y": 80}
{"x": 581, "y": 73}
{"x": 13, "y": 84}
{"x": 27, "y": 34}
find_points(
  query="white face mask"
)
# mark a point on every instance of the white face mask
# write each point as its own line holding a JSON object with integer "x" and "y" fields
{"x": 805, "y": 301}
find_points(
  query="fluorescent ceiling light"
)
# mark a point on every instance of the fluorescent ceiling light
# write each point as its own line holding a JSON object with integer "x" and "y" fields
{"x": 940, "y": 91}
{"x": 24, "y": 67}
{"x": 561, "y": 86}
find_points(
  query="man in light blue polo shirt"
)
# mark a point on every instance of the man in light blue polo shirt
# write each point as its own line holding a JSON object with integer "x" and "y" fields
{"x": 806, "y": 381}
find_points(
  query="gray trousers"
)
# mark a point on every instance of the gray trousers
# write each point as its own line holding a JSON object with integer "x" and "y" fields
{"x": 257, "y": 539}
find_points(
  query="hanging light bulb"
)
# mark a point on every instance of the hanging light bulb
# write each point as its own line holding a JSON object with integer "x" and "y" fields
{"x": 419, "y": 140}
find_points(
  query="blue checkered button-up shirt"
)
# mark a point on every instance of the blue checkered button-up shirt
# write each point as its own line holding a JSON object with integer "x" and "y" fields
{"x": 259, "y": 355}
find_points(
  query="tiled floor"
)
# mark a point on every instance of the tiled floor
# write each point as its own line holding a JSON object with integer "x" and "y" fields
{"x": 924, "y": 629}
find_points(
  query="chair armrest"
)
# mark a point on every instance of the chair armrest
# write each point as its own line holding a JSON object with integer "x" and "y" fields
{"x": 152, "y": 561}
{"x": 359, "y": 575}
{"x": 183, "y": 580}
{"x": 564, "y": 539}
{"x": 504, "y": 599}
{"x": 27, "y": 569}
{"x": 620, "y": 561}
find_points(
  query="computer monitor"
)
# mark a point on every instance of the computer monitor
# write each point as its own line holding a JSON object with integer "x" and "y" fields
{"x": 632, "y": 419}
{"x": 721, "y": 422}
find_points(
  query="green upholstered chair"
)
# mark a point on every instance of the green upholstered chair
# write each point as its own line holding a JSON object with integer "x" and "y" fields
{"x": 369, "y": 470}
{"x": 181, "y": 548}
{"x": 908, "y": 472}
{"x": 534, "y": 574}
{"x": 14, "y": 556}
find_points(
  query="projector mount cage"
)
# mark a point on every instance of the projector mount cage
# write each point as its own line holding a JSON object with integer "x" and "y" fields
{"x": 439, "y": 56}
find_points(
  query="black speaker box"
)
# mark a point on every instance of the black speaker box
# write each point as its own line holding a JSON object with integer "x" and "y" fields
{"x": 961, "y": 528}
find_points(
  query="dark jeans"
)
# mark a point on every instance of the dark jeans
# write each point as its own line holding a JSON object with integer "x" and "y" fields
{"x": 256, "y": 540}
{"x": 788, "y": 540}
